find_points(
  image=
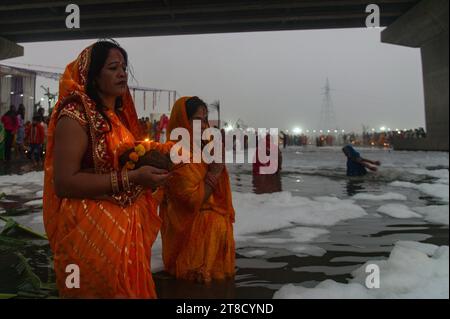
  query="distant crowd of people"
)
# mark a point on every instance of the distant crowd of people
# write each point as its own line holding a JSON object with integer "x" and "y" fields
{"x": 385, "y": 138}
{"x": 293, "y": 140}
{"x": 303, "y": 139}
{"x": 381, "y": 139}
{"x": 20, "y": 140}
{"x": 156, "y": 130}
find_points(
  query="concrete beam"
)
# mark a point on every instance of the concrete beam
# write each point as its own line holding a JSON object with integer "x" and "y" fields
{"x": 9, "y": 49}
{"x": 425, "y": 21}
{"x": 43, "y": 20}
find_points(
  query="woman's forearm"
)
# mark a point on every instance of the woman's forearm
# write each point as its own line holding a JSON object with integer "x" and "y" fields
{"x": 84, "y": 185}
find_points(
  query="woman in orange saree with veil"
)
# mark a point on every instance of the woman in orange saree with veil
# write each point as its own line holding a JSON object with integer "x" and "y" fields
{"x": 97, "y": 217}
{"x": 197, "y": 210}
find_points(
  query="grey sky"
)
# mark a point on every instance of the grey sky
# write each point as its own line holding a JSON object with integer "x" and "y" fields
{"x": 273, "y": 79}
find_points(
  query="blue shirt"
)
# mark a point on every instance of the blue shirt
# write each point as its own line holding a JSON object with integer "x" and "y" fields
{"x": 353, "y": 167}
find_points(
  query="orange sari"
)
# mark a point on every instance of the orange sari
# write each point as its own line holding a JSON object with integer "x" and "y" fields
{"x": 197, "y": 238}
{"x": 109, "y": 240}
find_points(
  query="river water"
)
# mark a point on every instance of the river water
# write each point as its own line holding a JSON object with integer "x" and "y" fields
{"x": 330, "y": 232}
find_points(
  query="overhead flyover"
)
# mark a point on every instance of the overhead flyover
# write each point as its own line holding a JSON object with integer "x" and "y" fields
{"x": 43, "y": 20}
{"x": 416, "y": 23}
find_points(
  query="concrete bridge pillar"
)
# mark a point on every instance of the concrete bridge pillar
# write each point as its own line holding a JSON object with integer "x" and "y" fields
{"x": 425, "y": 26}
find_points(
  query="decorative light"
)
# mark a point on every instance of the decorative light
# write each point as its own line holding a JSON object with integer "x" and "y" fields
{"x": 297, "y": 130}
{"x": 229, "y": 127}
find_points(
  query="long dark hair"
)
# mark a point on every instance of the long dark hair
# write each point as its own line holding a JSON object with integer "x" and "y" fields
{"x": 11, "y": 112}
{"x": 193, "y": 104}
{"x": 99, "y": 54}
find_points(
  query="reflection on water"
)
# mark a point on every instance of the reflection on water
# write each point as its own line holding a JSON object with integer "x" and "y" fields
{"x": 168, "y": 287}
{"x": 267, "y": 184}
{"x": 354, "y": 187}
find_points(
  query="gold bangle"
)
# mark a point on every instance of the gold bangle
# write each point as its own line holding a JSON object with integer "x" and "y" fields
{"x": 125, "y": 180}
{"x": 114, "y": 182}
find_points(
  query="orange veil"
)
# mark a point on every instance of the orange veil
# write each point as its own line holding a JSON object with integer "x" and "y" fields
{"x": 197, "y": 237}
{"x": 109, "y": 242}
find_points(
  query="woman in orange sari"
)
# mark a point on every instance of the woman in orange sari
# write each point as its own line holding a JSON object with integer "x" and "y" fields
{"x": 98, "y": 218}
{"x": 197, "y": 210}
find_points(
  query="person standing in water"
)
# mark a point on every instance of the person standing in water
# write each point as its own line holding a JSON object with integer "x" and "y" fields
{"x": 356, "y": 165}
{"x": 97, "y": 215}
{"x": 197, "y": 209}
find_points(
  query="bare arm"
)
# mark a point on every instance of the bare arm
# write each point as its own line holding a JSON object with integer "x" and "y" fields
{"x": 366, "y": 164}
{"x": 71, "y": 142}
{"x": 370, "y": 161}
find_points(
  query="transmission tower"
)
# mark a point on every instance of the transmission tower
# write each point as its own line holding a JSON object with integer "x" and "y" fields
{"x": 327, "y": 115}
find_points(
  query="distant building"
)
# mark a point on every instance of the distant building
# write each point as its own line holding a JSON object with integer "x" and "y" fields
{"x": 17, "y": 86}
